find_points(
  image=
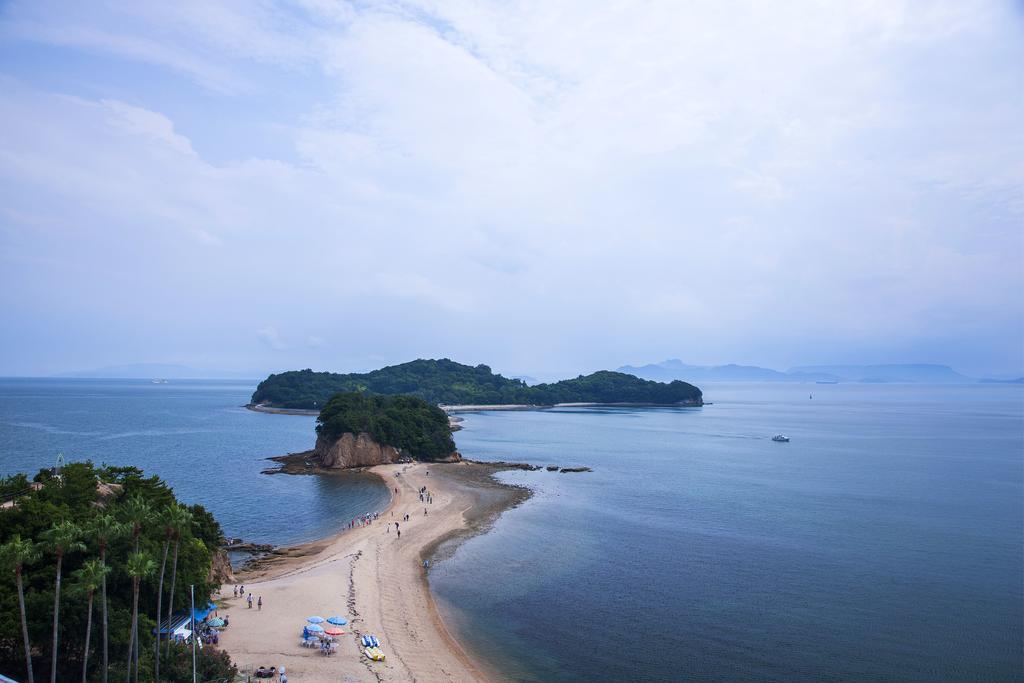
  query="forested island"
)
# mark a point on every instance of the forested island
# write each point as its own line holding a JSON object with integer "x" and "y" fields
{"x": 407, "y": 423}
{"x": 92, "y": 558}
{"x": 446, "y": 382}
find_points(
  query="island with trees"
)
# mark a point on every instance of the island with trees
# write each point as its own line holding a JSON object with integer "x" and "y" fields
{"x": 363, "y": 430}
{"x": 445, "y": 382}
{"x": 93, "y": 559}
{"x": 408, "y": 424}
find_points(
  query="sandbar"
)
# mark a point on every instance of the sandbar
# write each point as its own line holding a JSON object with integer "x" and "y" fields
{"x": 372, "y": 578}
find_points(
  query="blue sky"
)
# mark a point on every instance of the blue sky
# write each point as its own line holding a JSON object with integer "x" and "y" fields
{"x": 550, "y": 188}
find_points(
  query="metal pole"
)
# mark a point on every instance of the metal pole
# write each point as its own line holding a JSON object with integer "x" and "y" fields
{"x": 192, "y": 592}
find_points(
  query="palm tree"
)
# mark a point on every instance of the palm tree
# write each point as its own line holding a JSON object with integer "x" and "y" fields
{"x": 61, "y": 538}
{"x": 182, "y": 522}
{"x": 16, "y": 553}
{"x": 105, "y": 529}
{"x": 92, "y": 574}
{"x": 138, "y": 513}
{"x": 140, "y": 565}
{"x": 173, "y": 518}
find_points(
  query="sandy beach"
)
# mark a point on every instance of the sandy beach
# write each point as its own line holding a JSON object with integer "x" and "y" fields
{"x": 372, "y": 578}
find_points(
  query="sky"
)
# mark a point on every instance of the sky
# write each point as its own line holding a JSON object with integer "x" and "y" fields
{"x": 546, "y": 187}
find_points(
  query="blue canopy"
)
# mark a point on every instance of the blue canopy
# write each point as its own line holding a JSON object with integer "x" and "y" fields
{"x": 339, "y": 621}
{"x": 182, "y": 617}
{"x": 200, "y": 613}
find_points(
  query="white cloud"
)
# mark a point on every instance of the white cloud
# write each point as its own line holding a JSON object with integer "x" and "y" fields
{"x": 271, "y": 337}
{"x": 138, "y": 121}
{"x": 481, "y": 172}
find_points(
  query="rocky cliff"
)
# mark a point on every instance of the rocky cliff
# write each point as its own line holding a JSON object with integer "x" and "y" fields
{"x": 220, "y": 568}
{"x": 351, "y": 450}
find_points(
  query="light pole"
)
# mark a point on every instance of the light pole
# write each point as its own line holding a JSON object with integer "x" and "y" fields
{"x": 192, "y": 593}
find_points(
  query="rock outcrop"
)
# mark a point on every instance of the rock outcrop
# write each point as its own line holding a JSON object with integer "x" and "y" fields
{"x": 220, "y": 568}
{"x": 351, "y": 450}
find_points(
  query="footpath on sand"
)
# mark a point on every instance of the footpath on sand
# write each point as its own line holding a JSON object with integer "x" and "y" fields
{"x": 372, "y": 578}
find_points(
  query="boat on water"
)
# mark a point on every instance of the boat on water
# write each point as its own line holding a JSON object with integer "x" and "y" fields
{"x": 781, "y": 438}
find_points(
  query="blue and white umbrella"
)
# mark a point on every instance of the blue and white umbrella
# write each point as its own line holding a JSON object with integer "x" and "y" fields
{"x": 315, "y": 620}
{"x": 338, "y": 621}
{"x": 313, "y": 628}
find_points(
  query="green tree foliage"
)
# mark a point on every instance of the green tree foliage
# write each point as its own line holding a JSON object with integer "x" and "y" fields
{"x": 405, "y": 422}
{"x": 14, "y": 555}
{"x": 73, "y": 496}
{"x": 447, "y": 382}
{"x": 615, "y": 387}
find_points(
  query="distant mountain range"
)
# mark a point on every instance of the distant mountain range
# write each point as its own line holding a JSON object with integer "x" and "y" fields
{"x": 923, "y": 373}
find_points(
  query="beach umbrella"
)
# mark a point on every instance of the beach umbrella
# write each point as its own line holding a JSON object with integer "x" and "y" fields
{"x": 334, "y": 632}
{"x": 340, "y": 621}
{"x": 313, "y": 628}
{"x": 315, "y": 620}
{"x": 216, "y": 622}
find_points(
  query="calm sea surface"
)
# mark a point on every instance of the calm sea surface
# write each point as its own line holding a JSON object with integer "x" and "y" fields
{"x": 884, "y": 542}
{"x": 194, "y": 435}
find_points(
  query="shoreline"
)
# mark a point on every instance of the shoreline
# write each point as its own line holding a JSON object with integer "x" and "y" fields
{"x": 375, "y": 580}
{"x": 488, "y": 407}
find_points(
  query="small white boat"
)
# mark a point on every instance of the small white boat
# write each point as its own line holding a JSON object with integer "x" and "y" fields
{"x": 781, "y": 438}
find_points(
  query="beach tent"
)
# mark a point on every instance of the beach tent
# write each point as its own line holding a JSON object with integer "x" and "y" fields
{"x": 201, "y": 613}
{"x": 177, "y": 622}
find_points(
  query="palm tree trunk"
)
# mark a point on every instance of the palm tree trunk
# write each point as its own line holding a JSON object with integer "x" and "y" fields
{"x": 24, "y": 627}
{"x": 56, "y": 619}
{"x": 174, "y": 578}
{"x": 133, "y": 655}
{"x": 88, "y": 637}
{"x": 131, "y": 634}
{"x": 103, "y": 561}
{"x": 159, "y": 613}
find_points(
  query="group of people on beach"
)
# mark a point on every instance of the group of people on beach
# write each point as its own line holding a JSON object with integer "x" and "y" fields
{"x": 239, "y": 591}
{"x": 426, "y": 496}
{"x": 364, "y": 520}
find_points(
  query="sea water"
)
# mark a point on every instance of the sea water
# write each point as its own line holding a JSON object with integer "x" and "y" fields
{"x": 883, "y": 542}
{"x": 193, "y": 434}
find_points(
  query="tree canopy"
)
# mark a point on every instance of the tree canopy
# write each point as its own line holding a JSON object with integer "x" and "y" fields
{"x": 447, "y": 382}
{"x": 73, "y": 497}
{"x": 405, "y": 422}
